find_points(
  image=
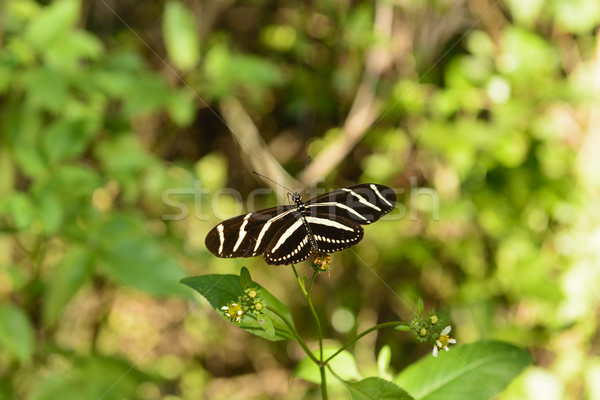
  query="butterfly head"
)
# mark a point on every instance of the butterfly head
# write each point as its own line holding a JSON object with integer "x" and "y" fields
{"x": 296, "y": 199}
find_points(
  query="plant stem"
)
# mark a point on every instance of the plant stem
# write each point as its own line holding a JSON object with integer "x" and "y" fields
{"x": 321, "y": 363}
{"x": 323, "y": 382}
{"x": 314, "y": 313}
{"x": 299, "y": 280}
{"x": 296, "y": 336}
{"x": 374, "y": 328}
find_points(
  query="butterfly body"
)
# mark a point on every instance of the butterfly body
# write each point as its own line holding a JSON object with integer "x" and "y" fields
{"x": 287, "y": 234}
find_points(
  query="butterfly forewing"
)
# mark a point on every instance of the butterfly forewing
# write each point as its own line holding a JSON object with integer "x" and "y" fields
{"x": 363, "y": 204}
{"x": 246, "y": 235}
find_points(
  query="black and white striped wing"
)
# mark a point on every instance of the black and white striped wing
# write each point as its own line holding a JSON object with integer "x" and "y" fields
{"x": 247, "y": 235}
{"x": 334, "y": 235}
{"x": 363, "y": 204}
{"x": 290, "y": 245}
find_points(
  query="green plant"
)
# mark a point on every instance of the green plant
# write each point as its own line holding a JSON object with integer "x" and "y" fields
{"x": 476, "y": 371}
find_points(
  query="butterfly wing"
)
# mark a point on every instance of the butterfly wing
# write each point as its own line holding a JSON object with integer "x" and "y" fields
{"x": 247, "y": 235}
{"x": 290, "y": 245}
{"x": 362, "y": 204}
{"x": 334, "y": 235}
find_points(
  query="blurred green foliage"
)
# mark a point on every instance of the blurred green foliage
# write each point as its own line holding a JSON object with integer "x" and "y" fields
{"x": 104, "y": 108}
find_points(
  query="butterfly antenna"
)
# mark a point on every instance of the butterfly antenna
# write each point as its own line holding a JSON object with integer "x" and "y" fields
{"x": 269, "y": 179}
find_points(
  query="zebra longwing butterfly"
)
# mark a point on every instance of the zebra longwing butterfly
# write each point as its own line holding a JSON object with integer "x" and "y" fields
{"x": 287, "y": 234}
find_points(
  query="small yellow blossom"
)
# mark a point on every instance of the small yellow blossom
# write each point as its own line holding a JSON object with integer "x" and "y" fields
{"x": 234, "y": 311}
{"x": 321, "y": 261}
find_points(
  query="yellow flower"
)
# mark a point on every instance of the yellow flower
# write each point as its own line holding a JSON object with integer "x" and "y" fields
{"x": 234, "y": 311}
{"x": 321, "y": 261}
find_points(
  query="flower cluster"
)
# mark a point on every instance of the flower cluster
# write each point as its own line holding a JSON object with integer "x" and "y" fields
{"x": 251, "y": 301}
{"x": 321, "y": 261}
{"x": 428, "y": 329}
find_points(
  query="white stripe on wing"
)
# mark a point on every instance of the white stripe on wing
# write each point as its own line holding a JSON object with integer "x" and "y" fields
{"x": 380, "y": 196}
{"x": 242, "y": 233}
{"x": 266, "y": 227}
{"x": 221, "y": 238}
{"x": 361, "y": 199}
{"x": 340, "y": 205}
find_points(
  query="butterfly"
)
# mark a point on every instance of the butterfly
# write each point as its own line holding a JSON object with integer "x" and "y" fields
{"x": 287, "y": 234}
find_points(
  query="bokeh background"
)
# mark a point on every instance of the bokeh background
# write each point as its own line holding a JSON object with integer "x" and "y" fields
{"x": 115, "y": 115}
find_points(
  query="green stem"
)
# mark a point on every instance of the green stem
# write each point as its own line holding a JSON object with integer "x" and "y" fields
{"x": 314, "y": 313}
{"x": 299, "y": 280}
{"x": 296, "y": 336}
{"x": 374, "y": 328}
{"x": 321, "y": 363}
{"x": 323, "y": 382}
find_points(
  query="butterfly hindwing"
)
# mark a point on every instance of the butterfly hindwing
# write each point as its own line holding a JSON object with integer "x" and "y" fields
{"x": 334, "y": 235}
{"x": 290, "y": 245}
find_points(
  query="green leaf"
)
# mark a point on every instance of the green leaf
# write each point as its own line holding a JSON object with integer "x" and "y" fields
{"x": 50, "y": 212}
{"x": 74, "y": 182}
{"x": 221, "y": 290}
{"x": 225, "y": 70}
{"x": 16, "y": 332}
{"x": 255, "y": 71}
{"x": 66, "y": 138}
{"x": 245, "y": 278}
{"x": 92, "y": 377}
{"x": 181, "y": 36}
{"x": 181, "y": 107}
{"x": 266, "y": 323}
{"x": 343, "y": 364}
{"x": 66, "y": 279}
{"x": 122, "y": 156}
{"x": 46, "y": 88}
{"x": 68, "y": 53}
{"x": 383, "y": 360}
{"x": 420, "y": 305}
{"x": 54, "y": 21}
{"x": 404, "y": 327}
{"x": 376, "y": 389}
{"x": 134, "y": 258}
{"x": 145, "y": 93}
{"x": 22, "y": 210}
{"x": 142, "y": 264}
{"x": 475, "y": 371}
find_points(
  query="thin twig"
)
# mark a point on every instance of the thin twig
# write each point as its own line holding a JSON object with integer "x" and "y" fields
{"x": 253, "y": 146}
{"x": 365, "y": 107}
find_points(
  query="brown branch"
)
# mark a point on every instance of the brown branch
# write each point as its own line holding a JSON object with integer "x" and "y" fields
{"x": 366, "y": 107}
{"x": 250, "y": 142}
